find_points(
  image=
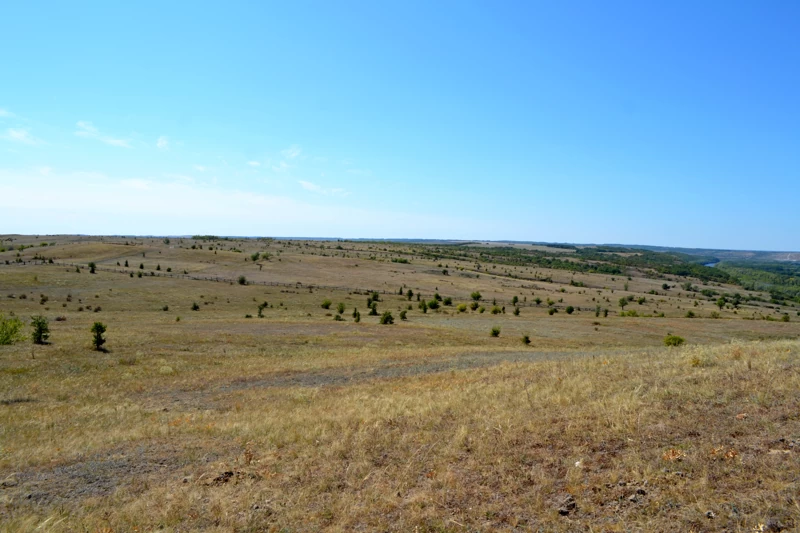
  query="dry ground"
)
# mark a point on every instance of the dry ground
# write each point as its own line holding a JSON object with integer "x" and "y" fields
{"x": 295, "y": 422}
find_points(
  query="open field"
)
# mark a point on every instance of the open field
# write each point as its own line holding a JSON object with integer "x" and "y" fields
{"x": 217, "y": 419}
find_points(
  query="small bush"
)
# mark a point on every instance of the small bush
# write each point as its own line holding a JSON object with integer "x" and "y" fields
{"x": 92, "y": 267}
{"x": 433, "y": 304}
{"x": 340, "y": 307}
{"x": 570, "y": 309}
{"x": 673, "y": 340}
{"x": 481, "y": 309}
{"x": 326, "y": 304}
{"x": 195, "y": 307}
{"x": 552, "y": 311}
{"x": 495, "y": 332}
{"x": 338, "y": 318}
{"x": 476, "y": 296}
{"x": 690, "y": 314}
{"x": 242, "y": 280}
{"x": 448, "y": 301}
{"x": 373, "y": 309}
{"x": 516, "y": 311}
{"x": 10, "y": 330}
{"x": 403, "y": 315}
{"x": 165, "y": 308}
{"x": 526, "y": 340}
{"x": 387, "y": 318}
{"x": 473, "y": 305}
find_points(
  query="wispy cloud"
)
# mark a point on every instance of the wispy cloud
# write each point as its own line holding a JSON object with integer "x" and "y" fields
{"x": 200, "y": 168}
{"x": 313, "y": 187}
{"x": 292, "y": 152}
{"x": 5, "y": 113}
{"x": 21, "y": 135}
{"x": 283, "y": 166}
{"x": 254, "y": 163}
{"x": 162, "y": 143}
{"x": 87, "y": 130}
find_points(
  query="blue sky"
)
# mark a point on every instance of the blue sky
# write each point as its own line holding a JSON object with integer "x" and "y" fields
{"x": 675, "y": 123}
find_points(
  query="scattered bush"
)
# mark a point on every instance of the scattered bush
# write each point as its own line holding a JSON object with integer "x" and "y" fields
{"x": 403, "y": 315}
{"x": 462, "y": 308}
{"x": 526, "y": 340}
{"x": 338, "y": 318}
{"x": 495, "y": 332}
{"x": 570, "y": 309}
{"x": 476, "y": 296}
{"x": 673, "y": 340}
{"x": 496, "y": 310}
{"x": 10, "y": 330}
{"x": 195, "y": 307}
{"x": 387, "y": 318}
{"x": 41, "y": 329}
{"x": 690, "y": 314}
{"x": 448, "y": 301}
{"x": 473, "y": 305}
{"x": 340, "y": 307}
{"x": 373, "y": 309}
{"x": 433, "y": 304}
{"x": 552, "y": 311}
{"x": 326, "y": 304}
{"x": 481, "y": 309}
{"x": 242, "y": 280}
{"x": 92, "y": 267}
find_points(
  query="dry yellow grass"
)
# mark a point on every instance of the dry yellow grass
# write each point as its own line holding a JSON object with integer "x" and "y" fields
{"x": 295, "y": 422}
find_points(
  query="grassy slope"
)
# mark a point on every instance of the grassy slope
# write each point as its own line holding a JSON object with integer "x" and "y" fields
{"x": 341, "y": 426}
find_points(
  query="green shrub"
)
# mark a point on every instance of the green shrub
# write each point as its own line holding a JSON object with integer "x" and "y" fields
{"x": 10, "y": 330}
{"x": 41, "y": 329}
{"x": 673, "y": 340}
{"x": 403, "y": 314}
{"x": 165, "y": 308}
{"x": 195, "y": 307}
{"x": 496, "y": 310}
{"x": 373, "y": 309}
{"x": 338, "y": 318}
{"x": 495, "y": 332}
{"x": 98, "y": 328}
{"x": 92, "y": 267}
{"x": 356, "y": 316}
{"x": 462, "y": 308}
{"x": 423, "y": 306}
{"x": 481, "y": 309}
{"x": 476, "y": 296}
{"x": 448, "y": 301}
{"x": 570, "y": 309}
{"x": 433, "y": 304}
{"x": 526, "y": 340}
{"x": 690, "y": 314}
{"x": 473, "y": 305}
{"x": 242, "y": 280}
{"x": 340, "y": 307}
{"x": 326, "y": 304}
{"x": 387, "y": 318}
{"x": 552, "y": 311}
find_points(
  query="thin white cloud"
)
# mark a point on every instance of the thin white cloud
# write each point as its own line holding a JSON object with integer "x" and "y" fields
{"x": 21, "y": 135}
{"x": 88, "y": 131}
{"x": 162, "y": 143}
{"x": 254, "y": 163}
{"x": 5, "y": 113}
{"x": 292, "y": 152}
{"x": 200, "y": 168}
{"x": 313, "y": 187}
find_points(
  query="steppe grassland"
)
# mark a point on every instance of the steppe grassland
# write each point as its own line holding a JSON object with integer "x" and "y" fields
{"x": 325, "y": 424}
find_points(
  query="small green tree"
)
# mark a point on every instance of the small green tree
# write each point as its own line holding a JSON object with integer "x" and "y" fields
{"x": 340, "y": 307}
{"x": 433, "y": 304}
{"x": 526, "y": 340}
{"x": 721, "y": 302}
{"x": 195, "y": 307}
{"x": 41, "y": 329}
{"x": 373, "y": 309}
{"x": 326, "y": 304}
{"x": 476, "y": 296}
{"x": 570, "y": 309}
{"x": 495, "y": 332}
{"x": 261, "y": 308}
{"x": 423, "y": 306}
{"x": 126, "y": 262}
{"x": 387, "y": 318}
{"x": 98, "y": 328}
{"x": 92, "y": 267}
{"x": 356, "y": 316}
{"x": 514, "y": 300}
{"x": 623, "y": 302}
{"x": 516, "y": 311}
{"x": 242, "y": 280}
{"x": 409, "y": 294}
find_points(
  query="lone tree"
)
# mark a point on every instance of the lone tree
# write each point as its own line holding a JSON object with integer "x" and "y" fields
{"x": 92, "y": 267}
{"x": 98, "y": 328}
{"x": 623, "y": 302}
{"x": 41, "y": 329}
{"x": 721, "y": 302}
